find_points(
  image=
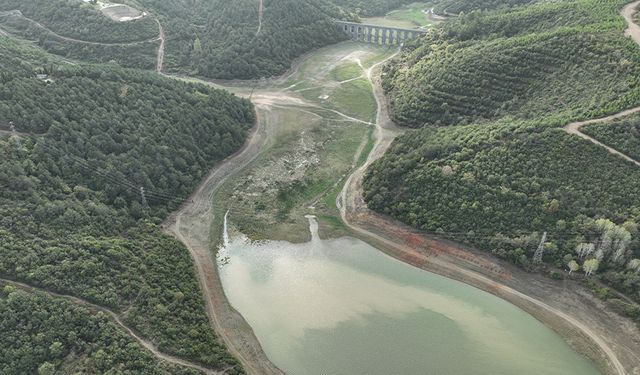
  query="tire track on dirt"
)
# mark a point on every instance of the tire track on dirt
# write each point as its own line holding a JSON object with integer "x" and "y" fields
{"x": 146, "y": 344}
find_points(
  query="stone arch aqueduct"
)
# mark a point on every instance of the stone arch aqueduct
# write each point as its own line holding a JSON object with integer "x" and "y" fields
{"x": 377, "y": 34}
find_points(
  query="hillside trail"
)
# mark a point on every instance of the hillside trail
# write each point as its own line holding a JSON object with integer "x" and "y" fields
{"x": 18, "y": 13}
{"x": 160, "y": 58}
{"x": 632, "y": 31}
{"x": 393, "y": 237}
{"x": 260, "y": 12}
{"x": 191, "y": 224}
{"x": 116, "y": 318}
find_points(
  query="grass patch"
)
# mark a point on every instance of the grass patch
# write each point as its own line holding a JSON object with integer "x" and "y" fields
{"x": 345, "y": 72}
{"x": 355, "y": 99}
{"x": 409, "y": 16}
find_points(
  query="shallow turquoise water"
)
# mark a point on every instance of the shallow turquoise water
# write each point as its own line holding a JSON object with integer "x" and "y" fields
{"x": 343, "y": 307}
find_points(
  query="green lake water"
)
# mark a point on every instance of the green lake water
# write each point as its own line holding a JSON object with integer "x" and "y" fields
{"x": 343, "y": 307}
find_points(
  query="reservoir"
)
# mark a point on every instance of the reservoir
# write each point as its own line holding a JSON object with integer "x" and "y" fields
{"x": 341, "y": 306}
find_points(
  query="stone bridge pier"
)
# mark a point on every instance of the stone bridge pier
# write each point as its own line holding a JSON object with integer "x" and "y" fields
{"x": 378, "y": 34}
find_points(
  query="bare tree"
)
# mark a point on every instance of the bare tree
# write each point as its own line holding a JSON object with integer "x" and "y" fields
{"x": 634, "y": 264}
{"x": 584, "y": 249}
{"x": 590, "y": 266}
{"x": 573, "y": 266}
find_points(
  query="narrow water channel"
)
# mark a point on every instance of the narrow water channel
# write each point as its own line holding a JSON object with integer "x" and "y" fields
{"x": 341, "y": 306}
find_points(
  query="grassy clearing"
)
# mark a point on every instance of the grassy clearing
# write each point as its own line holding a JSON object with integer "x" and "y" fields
{"x": 409, "y": 16}
{"x": 309, "y": 154}
{"x": 346, "y": 71}
{"x": 355, "y": 98}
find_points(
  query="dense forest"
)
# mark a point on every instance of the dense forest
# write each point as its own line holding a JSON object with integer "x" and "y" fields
{"x": 78, "y": 20}
{"x": 500, "y": 186}
{"x": 503, "y": 172}
{"x": 140, "y": 55}
{"x": 622, "y": 134}
{"x": 43, "y": 335}
{"x": 220, "y": 39}
{"x": 567, "y": 58}
{"x": 72, "y": 215}
{"x": 213, "y": 39}
{"x": 455, "y": 7}
{"x": 370, "y": 8}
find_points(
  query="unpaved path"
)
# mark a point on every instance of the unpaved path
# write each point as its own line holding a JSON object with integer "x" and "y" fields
{"x": 603, "y": 344}
{"x": 191, "y": 225}
{"x": 18, "y": 13}
{"x": 160, "y": 58}
{"x": 633, "y": 31}
{"x": 146, "y": 344}
{"x": 260, "y": 12}
{"x": 574, "y": 128}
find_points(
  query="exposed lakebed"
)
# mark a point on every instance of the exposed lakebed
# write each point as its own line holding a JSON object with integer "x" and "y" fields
{"x": 341, "y": 306}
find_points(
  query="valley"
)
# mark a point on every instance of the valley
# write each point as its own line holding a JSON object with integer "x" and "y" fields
{"x": 252, "y": 198}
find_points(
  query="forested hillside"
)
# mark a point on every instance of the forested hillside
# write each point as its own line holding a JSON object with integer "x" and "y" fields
{"x": 79, "y": 20}
{"x": 465, "y": 6}
{"x": 499, "y": 186}
{"x": 70, "y": 29}
{"x": 518, "y": 76}
{"x": 369, "y": 8}
{"x": 214, "y": 39}
{"x": 568, "y": 58}
{"x": 43, "y": 335}
{"x": 622, "y": 134}
{"x": 220, "y": 39}
{"x": 72, "y": 215}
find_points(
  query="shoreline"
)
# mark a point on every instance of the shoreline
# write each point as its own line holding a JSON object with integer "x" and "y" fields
{"x": 479, "y": 270}
{"x": 603, "y": 347}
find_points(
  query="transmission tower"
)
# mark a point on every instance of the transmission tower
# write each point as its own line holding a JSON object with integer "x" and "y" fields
{"x": 143, "y": 199}
{"x": 537, "y": 257}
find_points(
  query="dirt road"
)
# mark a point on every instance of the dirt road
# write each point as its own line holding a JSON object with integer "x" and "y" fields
{"x": 116, "y": 318}
{"x": 160, "y": 58}
{"x": 574, "y": 128}
{"x": 632, "y": 31}
{"x": 260, "y": 12}
{"x": 18, "y": 13}
{"x": 603, "y": 336}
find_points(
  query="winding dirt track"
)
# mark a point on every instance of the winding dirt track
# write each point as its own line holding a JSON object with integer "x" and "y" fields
{"x": 387, "y": 234}
{"x": 160, "y": 58}
{"x": 146, "y": 344}
{"x": 191, "y": 225}
{"x": 41, "y": 26}
{"x": 633, "y": 31}
{"x": 574, "y": 128}
{"x": 358, "y": 218}
{"x": 260, "y": 12}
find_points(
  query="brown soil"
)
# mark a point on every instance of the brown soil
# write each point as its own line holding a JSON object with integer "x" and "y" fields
{"x": 191, "y": 224}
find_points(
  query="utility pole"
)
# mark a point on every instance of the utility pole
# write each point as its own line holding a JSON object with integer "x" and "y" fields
{"x": 537, "y": 257}
{"x": 143, "y": 199}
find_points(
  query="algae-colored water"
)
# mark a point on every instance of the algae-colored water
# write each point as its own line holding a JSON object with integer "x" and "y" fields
{"x": 343, "y": 307}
